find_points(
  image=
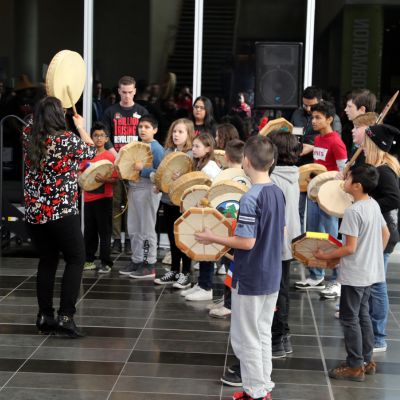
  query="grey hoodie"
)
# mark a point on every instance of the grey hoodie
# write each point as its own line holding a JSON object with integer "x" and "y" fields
{"x": 287, "y": 179}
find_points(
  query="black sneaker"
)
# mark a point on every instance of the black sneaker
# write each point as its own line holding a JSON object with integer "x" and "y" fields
{"x": 167, "y": 278}
{"x": 183, "y": 282}
{"x": 116, "y": 247}
{"x": 131, "y": 267}
{"x": 104, "y": 269}
{"x": 287, "y": 345}
{"x": 234, "y": 369}
{"x": 278, "y": 351}
{"x": 127, "y": 247}
{"x": 144, "y": 272}
{"x": 232, "y": 379}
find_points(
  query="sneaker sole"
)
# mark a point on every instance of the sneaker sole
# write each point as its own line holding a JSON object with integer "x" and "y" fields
{"x": 233, "y": 384}
{"x": 280, "y": 356}
{"x": 348, "y": 378}
{"x": 328, "y": 296}
{"x": 379, "y": 349}
{"x": 175, "y": 286}
{"x": 142, "y": 277}
{"x": 220, "y": 316}
{"x": 124, "y": 273}
{"x": 104, "y": 272}
{"x": 158, "y": 282}
{"x": 310, "y": 287}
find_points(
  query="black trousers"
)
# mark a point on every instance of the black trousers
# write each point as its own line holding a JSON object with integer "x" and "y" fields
{"x": 171, "y": 214}
{"x": 98, "y": 223}
{"x": 65, "y": 236}
{"x": 357, "y": 324}
{"x": 280, "y": 323}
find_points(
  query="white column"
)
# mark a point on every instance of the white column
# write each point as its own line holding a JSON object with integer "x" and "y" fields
{"x": 88, "y": 57}
{"x": 198, "y": 47}
{"x": 309, "y": 48}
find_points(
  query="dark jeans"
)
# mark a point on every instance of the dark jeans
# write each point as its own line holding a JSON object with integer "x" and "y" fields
{"x": 206, "y": 275}
{"x": 98, "y": 223}
{"x": 227, "y": 297}
{"x": 357, "y": 325}
{"x": 280, "y": 324}
{"x": 171, "y": 214}
{"x": 63, "y": 235}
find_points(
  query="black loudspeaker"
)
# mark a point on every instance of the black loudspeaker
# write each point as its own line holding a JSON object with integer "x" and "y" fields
{"x": 279, "y": 70}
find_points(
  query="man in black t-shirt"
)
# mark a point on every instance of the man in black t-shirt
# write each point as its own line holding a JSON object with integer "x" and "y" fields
{"x": 122, "y": 120}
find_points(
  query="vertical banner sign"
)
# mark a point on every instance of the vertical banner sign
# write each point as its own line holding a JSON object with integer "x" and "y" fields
{"x": 362, "y": 48}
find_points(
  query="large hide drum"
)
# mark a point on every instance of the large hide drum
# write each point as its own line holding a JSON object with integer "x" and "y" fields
{"x": 178, "y": 187}
{"x": 307, "y": 172}
{"x": 275, "y": 124}
{"x": 131, "y": 154}
{"x": 317, "y": 182}
{"x": 193, "y": 196}
{"x": 87, "y": 179}
{"x": 225, "y": 196}
{"x": 304, "y": 246}
{"x": 176, "y": 162}
{"x": 196, "y": 220}
{"x": 333, "y": 199}
{"x": 233, "y": 174}
{"x": 66, "y": 70}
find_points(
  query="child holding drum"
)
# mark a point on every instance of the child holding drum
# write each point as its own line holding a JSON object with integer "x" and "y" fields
{"x": 365, "y": 235}
{"x": 203, "y": 160}
{"x": 179, "y": 138}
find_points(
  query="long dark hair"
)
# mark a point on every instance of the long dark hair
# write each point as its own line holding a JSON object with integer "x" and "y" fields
{"x": 48, "y": 119}
{"x": 209, "y": 121}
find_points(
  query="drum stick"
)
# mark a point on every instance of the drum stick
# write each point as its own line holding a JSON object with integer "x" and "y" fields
{"x": 350, "y": 163}
{"x": 386, "y": 109}
{"x": 229, "y": 256}
{"x": 70, "y": 99}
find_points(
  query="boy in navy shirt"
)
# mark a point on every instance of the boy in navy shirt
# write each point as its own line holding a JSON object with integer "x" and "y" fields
{"x": 258, "y": 247}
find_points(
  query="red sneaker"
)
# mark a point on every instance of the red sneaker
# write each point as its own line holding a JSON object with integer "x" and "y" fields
{"x": 241, "y": 396}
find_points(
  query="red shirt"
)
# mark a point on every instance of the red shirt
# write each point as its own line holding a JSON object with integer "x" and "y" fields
{"x": 328, "y": 149}
{"x": 105, "y": 190}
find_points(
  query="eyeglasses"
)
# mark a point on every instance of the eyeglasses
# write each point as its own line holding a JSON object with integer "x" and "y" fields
{"x": 99, "y": 136}
{"x": 199, "y": 107}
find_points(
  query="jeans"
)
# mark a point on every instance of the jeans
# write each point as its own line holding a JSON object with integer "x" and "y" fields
{"x": 98, "y": 223}
{"x": 357, "y": 326}
{"x": 206, "y": 275}
{"x": 379, "y": 308}
{"x": 280, "y": 323}
{"x": 302, "y": 210}
{"x": 320, "y": 221}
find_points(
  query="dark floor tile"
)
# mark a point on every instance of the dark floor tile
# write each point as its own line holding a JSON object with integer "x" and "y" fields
{"x": 19, "y": 329}
{"x": 9, "y": 364}
{"x": 179, "y": 358}
{"x": 172, "y": 334}
{"x": 62, "y": 381}
{"x": 173, "y": 371}
{"x": 206, "y": 325}
{"x": 168, "y": 385}
{"x": 91, "y": 342}
{"x": 163, "y": 345}
{"x": 51, "y": 394}
{"x": 298, "y": 364}
{"x": 73, "y": 367}
{"x": 158, "y": 396}
{"x": 112, "y": 332}
{"x": 122, "y": 296}
{"x": 308, "y": 391}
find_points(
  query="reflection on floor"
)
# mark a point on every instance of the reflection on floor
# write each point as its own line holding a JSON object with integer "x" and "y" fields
{"x": 145, "y": 343}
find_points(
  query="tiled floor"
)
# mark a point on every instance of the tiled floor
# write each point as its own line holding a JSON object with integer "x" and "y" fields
{"x": 145, "y": 342}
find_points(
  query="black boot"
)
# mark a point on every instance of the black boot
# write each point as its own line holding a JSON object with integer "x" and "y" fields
{"x": 46, "y": 324}
{"x": 66, "y": 326}
{"x": 116, "y": 247}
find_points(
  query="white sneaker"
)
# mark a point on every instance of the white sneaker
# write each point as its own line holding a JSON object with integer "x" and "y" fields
{"x": 331, "y": 291}
{"x": 216, "y": 304}
{"x": 221, "y": 312}
{"x": 191, "y": 290}
{"x": 167, "y": 259}
{"x": 221, "y": 270}
{"x": 196, "y": 266}
{"x": 380, "y": 349}
{"x": 200, "y": 295}
{"x": 313, "y": 284}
